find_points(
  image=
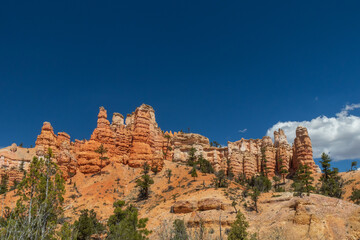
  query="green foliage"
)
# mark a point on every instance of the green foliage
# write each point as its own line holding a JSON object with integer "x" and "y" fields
{"x": 325, "y": 164}
{"x": 331, "y": 182}
{"x": 87, "y": 225}
{"x": 192, "y": 158}
{"x": 255, "y": 197}
{"x": 179, "y": 231}
{"x": 4, "y": 183}
{"x": 67, "y": 232}
{"x": 229, "y": 173}
{"x": 276, "y": 183}
{"x": 144, "y": 183}
{"x": 205, "y": 165}
{"x": 260, "y": 182}
{"x": 155, "y": 170}
{"x": 238, "y": 230}
{"x": 124, "y": 223}
{"x": 193, "y": 173}
{"x": 353, "y": 165}
{"x": 241, "y": 179}
{"x": 39, "y": 206}
{"x": 215, "y": 144}
{"x": 283, "y": 171}
{"x": 355, "y": 196}
{"x": 220, "y": 180}
{"x": 101, "y": 150}
{"x": 168, "y": 173}
{"x": 303, "y": 181}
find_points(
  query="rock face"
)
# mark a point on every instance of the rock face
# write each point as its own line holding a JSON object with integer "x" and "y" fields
{"x": 248, "y": 157}
{"x": 302, "y": 149}
{"x": 138, "y": 140}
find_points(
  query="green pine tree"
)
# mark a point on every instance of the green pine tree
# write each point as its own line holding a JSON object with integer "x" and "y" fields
{"x": 87, "y": 225}
{"x": 39, "y": 206}
{"x": 220, "y": 180}
{"x": 355, "y": 196}
{"x": 168, "y": 173}
{"x": 193, "y": 173}
{"x": 331, "y": 182}
{"x": 238, "y": 230}
{"x": 102, "y": 151}
{"x": 353, "y": 165}
{"x": 124, "y": 223}
{"x": 303, "y": 181}
{"x": 179, "y": 230}
{"x": 204, "y": 165}
{"x": 191, "y": 161}
{"x": 144, "y": 183}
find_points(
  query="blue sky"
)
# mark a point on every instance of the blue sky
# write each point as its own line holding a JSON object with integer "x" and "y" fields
{"x": 215, "y": 67}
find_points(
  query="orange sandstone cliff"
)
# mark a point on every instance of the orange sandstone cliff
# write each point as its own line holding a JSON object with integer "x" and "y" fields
{"x": 138, "y": 139}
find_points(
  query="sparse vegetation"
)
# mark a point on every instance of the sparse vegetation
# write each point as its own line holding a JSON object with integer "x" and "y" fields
{"x": 238, "y": 230}
{"x": 220, "y": 181}
{"x": 102, "y": 151}
{"x": 303, "y": 181}
{"x": 144, "y": 183}
{"x": 331, "y": 182}
{"x": 355, "y": 196}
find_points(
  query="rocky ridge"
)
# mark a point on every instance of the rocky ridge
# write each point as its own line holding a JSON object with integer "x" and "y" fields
{"x": 138, "y": 140}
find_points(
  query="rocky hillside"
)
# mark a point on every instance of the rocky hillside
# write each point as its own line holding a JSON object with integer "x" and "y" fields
{"x": 138, "y": 139}
{"x": 280, "y": 216}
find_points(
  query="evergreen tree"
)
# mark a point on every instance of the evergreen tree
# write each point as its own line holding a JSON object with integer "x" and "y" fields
{"x": 353, "y": 165}
{"x": 168, "y": 175}
{"x": 179, "y": 230}
{"x": 238, "y": 230}
{"x": 255, "y": 197}
{"x": 220, "y": 179}
{"x": 261, "y": 182}
{"x": 331, "y": 182}
{"x": 124, "y": 223}
{"x": 87, "y": 225}
{"x": 4, "y": 183}
{"x": 155, "y": 169}
{"x": 67, "y": 232}
{"x": 229, "y": 172}
{"x": 204, "y": 165}
{"x": 192, "y": 158}
{"x": 355, "y": 196}
{"x": 283, "y": 170}
{"x": 276, "y": 183}
{"x": 101, "y": 150}
{"x": 168, "y": 137}
{"x": 325, "y": 164}
{"x": 193, "y": 173}
{"x": 39, "y": 206}
{"x": 144, "y": 183}
{"x": 303, "y": 181}
{"x": 264, "y": 168}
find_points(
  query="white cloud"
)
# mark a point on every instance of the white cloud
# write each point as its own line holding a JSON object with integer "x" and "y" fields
{"x": 242, "y": 131}
{"x": 339, "y": 136}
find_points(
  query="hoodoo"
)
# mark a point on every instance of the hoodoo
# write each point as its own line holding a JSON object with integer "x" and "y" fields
{"x": 139, "y": 140}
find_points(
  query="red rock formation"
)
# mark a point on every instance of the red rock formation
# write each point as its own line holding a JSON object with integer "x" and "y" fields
{"x": 302, "y": 149}
{"x": 135, "y": 143}
{"x": 140, "y": 141}
{"x": 283, "y": 150}
{"x": 61, "y": 148}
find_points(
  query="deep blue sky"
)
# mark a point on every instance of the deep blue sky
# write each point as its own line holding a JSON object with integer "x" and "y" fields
{"x": 214, "y": 66}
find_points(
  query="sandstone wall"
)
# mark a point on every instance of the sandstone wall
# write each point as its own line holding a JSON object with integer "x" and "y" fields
{"x": 138, "y": 140}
